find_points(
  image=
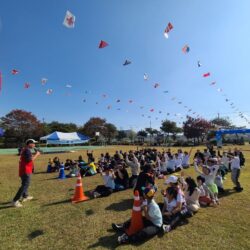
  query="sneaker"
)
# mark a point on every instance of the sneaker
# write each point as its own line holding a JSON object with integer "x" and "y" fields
{"x": 28, "y": 198}
{"x": 96, "y": 195}
{"x": 16, "y": 204}
{"x": 123, "y": 239}
{"x": 166, "y": 228}
{"x": 117, "y": 227}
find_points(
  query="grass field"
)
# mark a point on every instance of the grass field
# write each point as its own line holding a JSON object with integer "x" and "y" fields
{"x": 50, "y": 221}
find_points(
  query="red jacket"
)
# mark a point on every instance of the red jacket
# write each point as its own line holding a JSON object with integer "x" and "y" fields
{"x": 25, "y": 162}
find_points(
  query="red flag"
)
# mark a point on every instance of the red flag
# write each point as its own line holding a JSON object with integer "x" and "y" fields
{"x": 14, "y": 71}
{"x": 103, "y": 44}
{"x": 206, "y": 75}
{"x": 0, "y": 81}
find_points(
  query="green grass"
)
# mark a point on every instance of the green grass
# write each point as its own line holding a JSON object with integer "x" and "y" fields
{"x": 50, "y": 221}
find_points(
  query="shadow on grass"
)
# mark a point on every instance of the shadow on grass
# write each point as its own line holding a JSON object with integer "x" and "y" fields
{"x": 35, "y": 234}
{"x": 89, "y": 212}
{"x": 121, "y": 206}
{"x": 106, "y": 242}
{"x": 227, "y": 192}
{"x": 42, "y": 172}
{"x": 6, "y": 207}
{"x": 57, "y": 203}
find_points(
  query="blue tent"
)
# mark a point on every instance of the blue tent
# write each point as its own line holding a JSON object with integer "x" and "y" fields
{"x": 65, "y": 138}
{"x": 221, "y": 132}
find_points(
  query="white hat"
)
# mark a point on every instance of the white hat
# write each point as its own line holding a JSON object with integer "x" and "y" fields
{"x": 29, "y": 141}
{"x": 171, "y": 179}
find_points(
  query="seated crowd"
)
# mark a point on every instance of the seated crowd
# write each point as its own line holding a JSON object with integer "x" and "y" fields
{"x": 183, "y": 195}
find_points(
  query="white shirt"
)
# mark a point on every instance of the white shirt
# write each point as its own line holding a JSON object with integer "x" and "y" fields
{"x": 170, "y": 205}
{"x": 154, "y": 213}
{"x": 185, "y": 160}
{"x": 171, "y": 164}
{"x": 235, "y": 163}
{"x": 108, "y": 181}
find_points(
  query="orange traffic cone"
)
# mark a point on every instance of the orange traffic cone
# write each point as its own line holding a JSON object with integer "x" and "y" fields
{"x": 79, "y": 194}
{"x": 136, "y": 223}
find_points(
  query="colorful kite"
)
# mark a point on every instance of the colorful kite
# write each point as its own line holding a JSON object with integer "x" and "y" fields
{"x": 168, "y": 29}
{"x": 49, "y": 91}
{"x": 26, "y": 85}
{"x": 206, "y": 74}
{"x": 44, "y": 81}
{"x": 127, "y": 62}
{"x": 69, "y": 20}
{"x": 185, "y": 49}
{"x": 14, "y": 71}
{"x": 151, "y": 110}
{"x": 103, "y": 44}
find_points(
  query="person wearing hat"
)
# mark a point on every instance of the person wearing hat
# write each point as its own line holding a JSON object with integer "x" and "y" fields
{"x": 26, "y": 165}
{"x": 152, "y": 220}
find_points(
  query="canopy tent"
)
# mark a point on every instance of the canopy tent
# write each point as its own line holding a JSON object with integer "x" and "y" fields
{"x": 65, "y": 138}
{"x": 221, "y": 132}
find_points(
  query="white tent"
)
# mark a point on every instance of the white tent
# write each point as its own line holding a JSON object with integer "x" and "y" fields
{"x": 65, "y": 138}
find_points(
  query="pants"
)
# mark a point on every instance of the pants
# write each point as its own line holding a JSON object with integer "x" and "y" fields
{"x": 148, "y": 231}
{"x": 235, "y": 177}
{"x": 133, "y": 180}
{"x": 23, "y": 190}
{"x": 103, "y": 190}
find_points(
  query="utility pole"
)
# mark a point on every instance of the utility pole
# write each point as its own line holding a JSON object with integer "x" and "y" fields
{"x": 218, "y": 115}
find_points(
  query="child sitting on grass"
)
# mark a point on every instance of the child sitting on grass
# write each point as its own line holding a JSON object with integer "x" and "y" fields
{"x": 109, "y": 183}
{"x": 206, "y": 196}
{"x": 152, "y": 220}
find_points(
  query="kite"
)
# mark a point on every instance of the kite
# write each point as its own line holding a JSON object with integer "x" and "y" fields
{"x": 142, "y": 115}
{"x": 151, "y": 110}
{"x": 179, "y": 102}
{"x": 219, "y": 90}
{"x": 173, "y": 98}
{"x": 168, "y": 29}
{"x": 160, "y": 112}
{"x": 156, "y": 85}
{"x": 103, "y": 44}
{"x": 14, "y": 71}
{"x": 84, "y": 100}
{"x": 199, "y": 64}
{"x": 130, "y": 101}
{"x": 168, "y": 113}
{"x": 49, "y": 91}
{"x": 206, "y": 74}
{"x": 109, "y": 107}
{"x": 118, "y": 100}
{"x": 104, "y": 95}
{"x": 69, "y": 20}
{"x": 96, "y": 103}
{"x": 0, "y": 81}
{"x": 212, "y": 83}
{"x": 44, "y": 81}
{"x": 26, "y": 85}
{"x": 145, "y": 76}
{"x": 68, "y": 86}
{"x": 141, "y": 107}
{"x": 127, "y": 62}
{"x": 185, "y": 49}
{"x": 118, "y": 109}
{"x": 166, "y": 91}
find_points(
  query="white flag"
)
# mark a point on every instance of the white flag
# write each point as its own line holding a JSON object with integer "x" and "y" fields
{"x": 69, "y": 20}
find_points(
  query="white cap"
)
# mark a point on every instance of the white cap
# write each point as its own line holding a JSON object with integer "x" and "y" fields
{"x": 29, "y": 141}
{"x": 171, "y": 179}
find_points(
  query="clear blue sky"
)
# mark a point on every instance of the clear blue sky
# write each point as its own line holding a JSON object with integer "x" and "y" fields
{"x": 34, "y": 41}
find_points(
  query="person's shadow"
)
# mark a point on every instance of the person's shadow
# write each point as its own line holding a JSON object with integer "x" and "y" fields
{"x": 124, "y": 205}
{"x": 106, "y": 242}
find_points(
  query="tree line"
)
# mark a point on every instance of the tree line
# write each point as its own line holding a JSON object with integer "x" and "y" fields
{"x": 19, "y": 125}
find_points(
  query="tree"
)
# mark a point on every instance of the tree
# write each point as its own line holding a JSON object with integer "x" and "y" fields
{"x": 121, "y": 135}
{"x": 20, "y": 125}
{"x": 111, "y": 131}
{"x": 196, "y": 128}
{"x": 61, "y": 127}
{"x": 170, "y": 127}
{"x": 222, "y": 122}
{"x": 93, "y": 125}
{"x": 142, "y": 134}
{"x": 131, "y": 135}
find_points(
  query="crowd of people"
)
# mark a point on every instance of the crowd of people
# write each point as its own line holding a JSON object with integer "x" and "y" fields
{"x": 182, "y": 197}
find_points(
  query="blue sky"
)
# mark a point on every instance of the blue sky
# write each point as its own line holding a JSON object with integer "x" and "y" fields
{"x": 34, "y": 41}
